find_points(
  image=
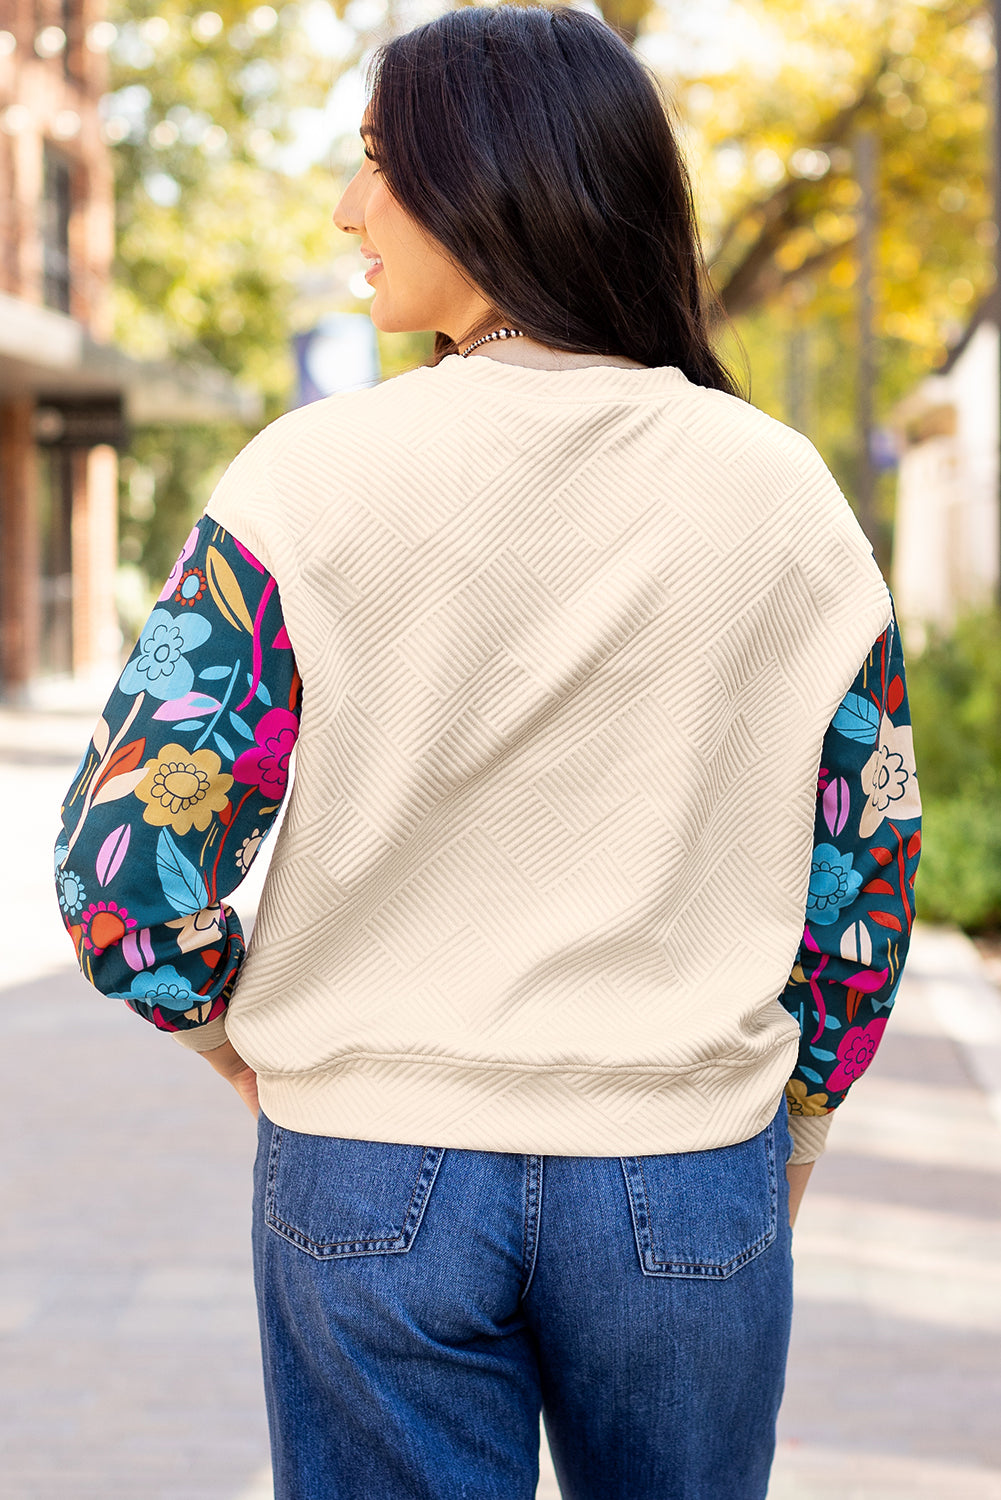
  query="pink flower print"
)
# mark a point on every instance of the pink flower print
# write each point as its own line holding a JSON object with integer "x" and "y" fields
{"x": 178, "y": 568}
{"x": 247, "y": 555}
{"x": 857, "y": 1050}
{"x": 266, "y": 766}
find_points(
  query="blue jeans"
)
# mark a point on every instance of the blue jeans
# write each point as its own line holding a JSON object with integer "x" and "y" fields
{"x": 419, "y": 1306}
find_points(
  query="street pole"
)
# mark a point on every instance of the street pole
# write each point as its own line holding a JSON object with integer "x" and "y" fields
{"x": 798, "y": 372}
{"x": 996, "y": 185}
{"x": 865, "y": 486}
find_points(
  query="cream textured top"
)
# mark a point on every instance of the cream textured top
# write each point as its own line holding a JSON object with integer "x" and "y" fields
{"x": 569, "y": 643}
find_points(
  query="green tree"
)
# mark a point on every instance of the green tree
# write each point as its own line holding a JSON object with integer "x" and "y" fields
{"x": 772, "y": 152}
{"x": 213, "y": 236}
{"x": 217, "y": 239}
{"x": 954, "y": 688}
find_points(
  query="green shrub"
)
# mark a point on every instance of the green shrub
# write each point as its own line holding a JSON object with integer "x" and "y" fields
{"x": 959, "y": 874}
{"x": 954, "y": 688}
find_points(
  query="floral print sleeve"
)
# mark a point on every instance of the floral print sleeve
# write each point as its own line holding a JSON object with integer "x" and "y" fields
{"x": 181, "y": 782}
{"x": 860, "y": 908}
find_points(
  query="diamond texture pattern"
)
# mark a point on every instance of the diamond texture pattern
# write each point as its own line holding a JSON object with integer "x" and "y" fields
{"x": 569, "y": 642}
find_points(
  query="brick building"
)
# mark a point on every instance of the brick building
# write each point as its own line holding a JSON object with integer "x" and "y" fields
{"x": 67, "y": 396}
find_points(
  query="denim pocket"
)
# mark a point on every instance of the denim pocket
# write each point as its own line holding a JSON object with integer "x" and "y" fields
{"x": 332, "y": 1196}
{"x": 704, "y": 1213}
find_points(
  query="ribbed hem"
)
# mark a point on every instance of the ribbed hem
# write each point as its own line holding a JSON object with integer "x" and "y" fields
{"x": 809, "y": 1137}
{"x": 203, "y": 1038}
{"x": 540, "y": 1111}
{"x": 589, "y": 383}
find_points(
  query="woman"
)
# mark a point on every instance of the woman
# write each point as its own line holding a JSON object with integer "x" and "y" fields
{"x": 597, "y": 694}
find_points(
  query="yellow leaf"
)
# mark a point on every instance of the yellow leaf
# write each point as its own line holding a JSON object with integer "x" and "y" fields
{"x": 226, "y": 591}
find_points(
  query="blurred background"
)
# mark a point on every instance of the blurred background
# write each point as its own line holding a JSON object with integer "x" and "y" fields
{"x": 171, "y": 281}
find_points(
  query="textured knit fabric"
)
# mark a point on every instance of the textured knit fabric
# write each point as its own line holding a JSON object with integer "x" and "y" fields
{"x": 142, "y": 864}
{"x": 570, "y": 642}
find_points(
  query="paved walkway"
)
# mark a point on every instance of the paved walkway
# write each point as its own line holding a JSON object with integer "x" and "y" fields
{"x": 130, "y": 1365}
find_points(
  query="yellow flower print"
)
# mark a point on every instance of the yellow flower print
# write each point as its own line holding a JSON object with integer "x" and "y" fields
{"x": 801, "y": 1103}
{"x": 183, "y": 788}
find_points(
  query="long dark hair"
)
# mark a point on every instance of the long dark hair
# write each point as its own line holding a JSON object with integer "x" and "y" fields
{"x": 535, "y": 147}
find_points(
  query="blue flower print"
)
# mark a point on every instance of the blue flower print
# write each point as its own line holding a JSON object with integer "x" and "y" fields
{"x": 151, "y": 927}
{"x": 833, "y": 884}
{"x": 159, "y": 665}
{"x": 163, "y": 987}
{"x": 71, "y": 892}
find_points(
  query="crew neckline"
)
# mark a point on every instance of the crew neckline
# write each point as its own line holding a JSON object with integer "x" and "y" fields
{"x": 588, "y": 382}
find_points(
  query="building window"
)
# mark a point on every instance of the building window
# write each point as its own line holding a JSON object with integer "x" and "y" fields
{"x": 55, "y": 217}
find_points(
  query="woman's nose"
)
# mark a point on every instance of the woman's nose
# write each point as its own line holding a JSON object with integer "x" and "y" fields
{"x": 340, "y": 222}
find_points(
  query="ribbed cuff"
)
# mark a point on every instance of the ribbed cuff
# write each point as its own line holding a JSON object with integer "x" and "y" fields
{"x": 809, "y": 1137}
{"x": 203, "y": 1038}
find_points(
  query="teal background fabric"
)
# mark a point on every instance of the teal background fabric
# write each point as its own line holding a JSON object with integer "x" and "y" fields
{"x": 178, "y": 787}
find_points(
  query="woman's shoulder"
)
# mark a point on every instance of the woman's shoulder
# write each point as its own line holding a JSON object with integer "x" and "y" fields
{"x": 277, "y": 483}
{"x": 345, "y": 412}
{"x": 720, "y": 412}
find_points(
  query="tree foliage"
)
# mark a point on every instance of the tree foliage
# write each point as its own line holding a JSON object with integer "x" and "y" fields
{"x": 218, "y": 241}
{"x": 954, "y": 687}
{"x": 772, "y": 149}
{"x": 214, "y": 239}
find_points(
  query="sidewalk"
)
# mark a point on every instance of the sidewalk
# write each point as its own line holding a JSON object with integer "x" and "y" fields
{"x": 131, "y": 1368}
{"x": 894, "y": 1382}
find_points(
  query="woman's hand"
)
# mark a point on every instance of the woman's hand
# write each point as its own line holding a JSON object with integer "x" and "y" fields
{"x": 227, "y": 1061}
{"x": 799, "y": 1176}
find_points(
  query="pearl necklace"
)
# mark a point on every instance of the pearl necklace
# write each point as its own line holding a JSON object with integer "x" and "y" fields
{"x": 498, "y": 333}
